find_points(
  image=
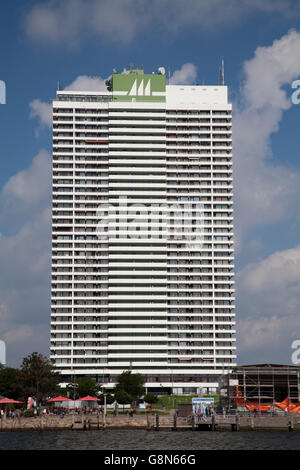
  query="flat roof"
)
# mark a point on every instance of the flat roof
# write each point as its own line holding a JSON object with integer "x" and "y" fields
{"x": 265, "y": 367}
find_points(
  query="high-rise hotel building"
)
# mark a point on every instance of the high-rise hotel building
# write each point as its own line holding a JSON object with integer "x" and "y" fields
{"x": 142, "y": 233}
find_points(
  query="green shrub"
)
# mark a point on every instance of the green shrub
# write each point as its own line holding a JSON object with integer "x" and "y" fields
{"x": 110, "y": 399}
{"x": 150, "y": 398}
{"x": 123, "y": 398}
{"x": 28, "y": 413}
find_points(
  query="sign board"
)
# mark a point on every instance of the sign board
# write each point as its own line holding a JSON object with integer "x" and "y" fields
{"x": 202, "y": 403}
{"x": 137, "y": 86}
{"x": 233, "y": 383}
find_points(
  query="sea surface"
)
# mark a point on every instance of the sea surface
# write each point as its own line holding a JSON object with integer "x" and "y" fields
{"x": 145, "y": 440}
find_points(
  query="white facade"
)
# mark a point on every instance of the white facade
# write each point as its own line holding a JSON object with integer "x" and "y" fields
{"x": 142, "y": 265}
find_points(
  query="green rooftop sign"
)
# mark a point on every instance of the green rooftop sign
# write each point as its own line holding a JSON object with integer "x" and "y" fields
{"x": 137, "y": 86}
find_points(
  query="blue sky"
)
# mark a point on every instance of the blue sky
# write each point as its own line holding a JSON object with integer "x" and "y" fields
{"x": 76, "y": 41}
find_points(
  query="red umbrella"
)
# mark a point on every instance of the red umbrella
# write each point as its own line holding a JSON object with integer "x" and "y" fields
{"x": 88, "y": 398}
{"x": 9, "y": 400}
{"x": 60, "y": 399}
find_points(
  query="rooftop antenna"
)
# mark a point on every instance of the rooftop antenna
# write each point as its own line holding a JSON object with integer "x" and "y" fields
{"x": 223, "y": 72}
{"x": 221, "y": 77}
{"x": 58, "y": 86}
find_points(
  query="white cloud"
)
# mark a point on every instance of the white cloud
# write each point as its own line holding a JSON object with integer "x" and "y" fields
{"x": 267, "y": 339}
{"x": 175, "y": 14}
{"x": 281, "y": 270}
{"x": 22, "y": 340}
{"x": 85, "y": 83}
{"x": 63, "y": 22}
{"x": 186, "y": 75}
{"x": 55, "y": 21}
{"x": 28, "y": 188}
{"x": 42, "y": 111}
{"x": 266, "y": 192}
{"x": 58, "y": 22}
{"x": 25, "y": 260}
{"x": 268, "y": 303}
{"x": 25, "y": 254}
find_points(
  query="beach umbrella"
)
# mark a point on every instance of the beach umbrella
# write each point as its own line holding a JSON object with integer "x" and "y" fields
{"x": 9, "y": 400}
{"x": 59, "y": 399}
{"x": 89, "y": 398}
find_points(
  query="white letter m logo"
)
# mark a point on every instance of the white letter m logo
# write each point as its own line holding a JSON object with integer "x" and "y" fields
{"x": 140, "y": 90}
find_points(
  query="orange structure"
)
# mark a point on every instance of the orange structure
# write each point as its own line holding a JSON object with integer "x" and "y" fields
{"x": 264, "y": 387}
{"x": 286, "y": 404}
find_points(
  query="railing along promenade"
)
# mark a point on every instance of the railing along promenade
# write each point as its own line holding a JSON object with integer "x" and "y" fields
{"x": 152, "y": 421}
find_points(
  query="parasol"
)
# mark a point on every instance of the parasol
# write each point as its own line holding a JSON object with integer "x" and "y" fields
{"x": 9, "y": 400}
{"x": 59, "y": 399}
{"x": 89, "y": 398}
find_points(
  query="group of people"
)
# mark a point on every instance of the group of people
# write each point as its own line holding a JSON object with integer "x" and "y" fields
{"x": 11, "y": 413}
{"x": 132, "y": 412}
{"x": 204, "y": 411}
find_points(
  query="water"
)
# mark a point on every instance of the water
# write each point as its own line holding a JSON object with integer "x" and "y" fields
{"x": 145, "y": 440}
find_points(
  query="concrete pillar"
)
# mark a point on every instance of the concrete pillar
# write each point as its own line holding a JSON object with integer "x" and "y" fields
{"x": 237, "y": 422}
{"x": 156, "y": 422}
{"x": 213, "y": 422}
{"x": 148, "y": 421}
{"x": 175, "y": 422}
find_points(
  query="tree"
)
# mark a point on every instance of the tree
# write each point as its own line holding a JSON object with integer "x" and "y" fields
{"x": 123, "y": 398}
{"x": 83, "y": 387}
{"x": 106, "y": 397}
{"x": 133, "y": 384}
{"x": 38, "y": 377}
{"x": 109, "y": 398}
{"x": 10, "y": 385}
